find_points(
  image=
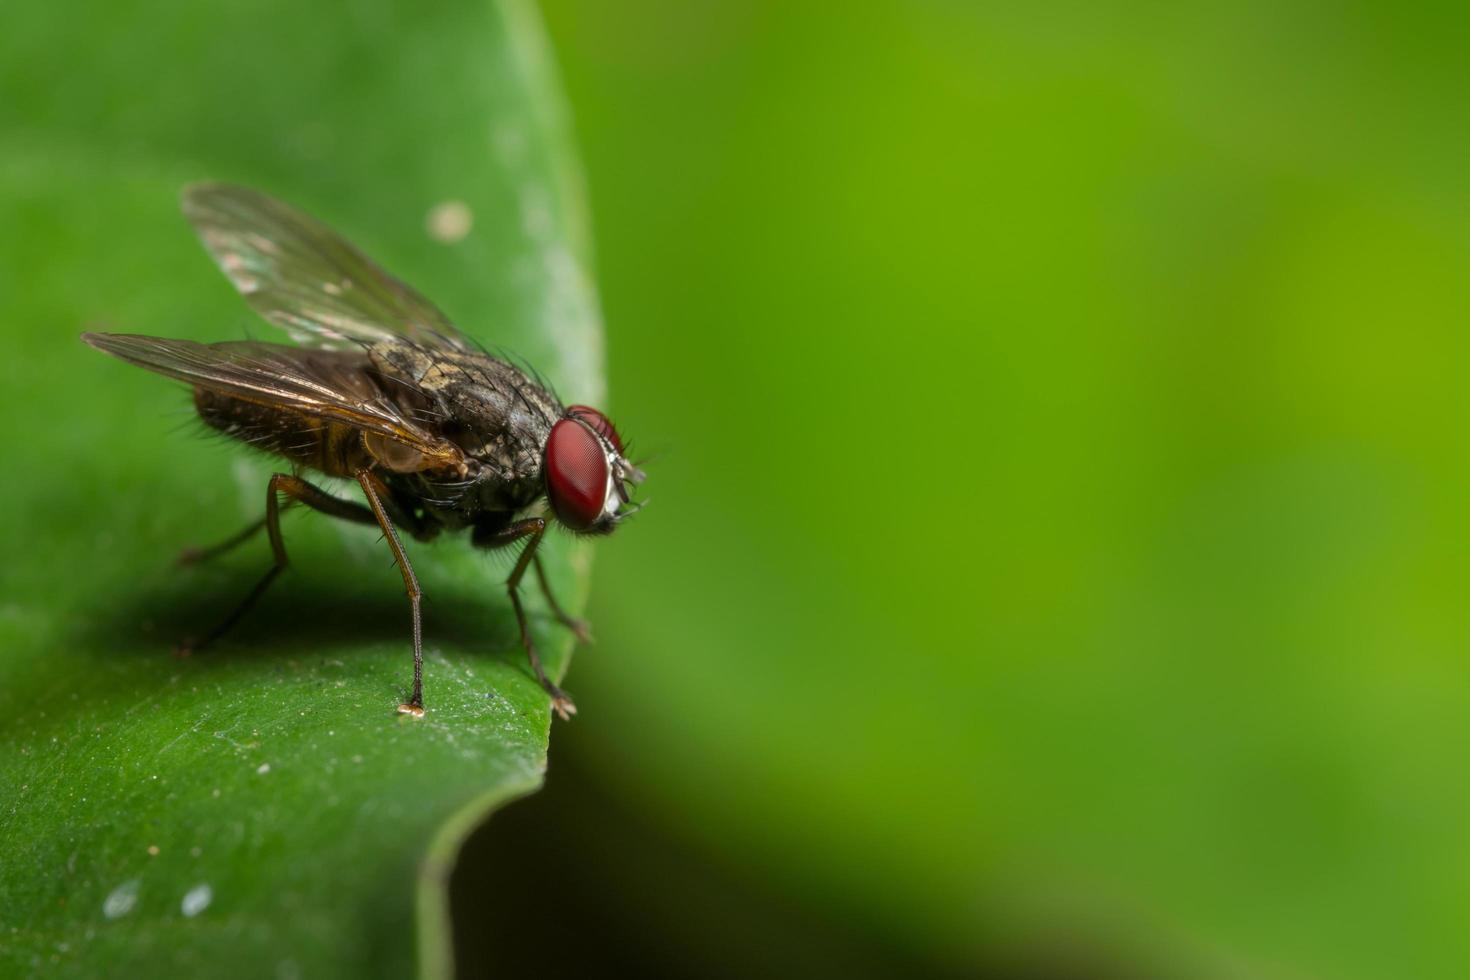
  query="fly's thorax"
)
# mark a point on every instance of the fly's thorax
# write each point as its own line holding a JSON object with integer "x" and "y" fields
{"x": 505, "y": 490}
{"x": 459, "y": 503}
{"x": 491, "y": 409}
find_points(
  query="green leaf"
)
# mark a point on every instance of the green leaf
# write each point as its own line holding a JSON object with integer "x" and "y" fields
{"x": 259, "y": 809}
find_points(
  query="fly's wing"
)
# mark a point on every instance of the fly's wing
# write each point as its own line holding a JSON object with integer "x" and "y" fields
{"x": 304, "y": 277}
{"x": 303, "y": 381}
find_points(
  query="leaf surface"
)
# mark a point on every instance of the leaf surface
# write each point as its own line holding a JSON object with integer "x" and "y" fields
{"x": 259, "y": 809}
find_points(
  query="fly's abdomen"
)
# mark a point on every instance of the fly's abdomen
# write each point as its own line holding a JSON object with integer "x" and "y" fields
{"x": 332, "y": 448}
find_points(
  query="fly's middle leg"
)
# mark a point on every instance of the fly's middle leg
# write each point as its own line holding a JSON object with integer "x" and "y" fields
{"x": 374, "y": 490}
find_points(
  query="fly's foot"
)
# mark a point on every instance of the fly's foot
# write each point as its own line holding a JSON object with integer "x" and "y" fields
{"x": 561, "y": 702}
{"x": 580, "y": 628}
{"x": 410, "y": 708}
{"x": 185, "y": 648}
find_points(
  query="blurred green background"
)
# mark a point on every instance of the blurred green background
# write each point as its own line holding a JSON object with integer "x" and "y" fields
{"x": 1058, "y": 543}
{"x": 1056, "y": 562}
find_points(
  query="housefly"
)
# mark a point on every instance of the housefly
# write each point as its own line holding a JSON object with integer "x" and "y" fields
{"x": 385, "y": 391}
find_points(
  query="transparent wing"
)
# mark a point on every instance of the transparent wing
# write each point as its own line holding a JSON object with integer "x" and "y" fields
{"x": 304, "y": 277}
{"x": 323, "y": 384}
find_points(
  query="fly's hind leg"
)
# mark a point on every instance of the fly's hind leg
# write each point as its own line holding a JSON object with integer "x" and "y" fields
{"x": 195, "y": 556}
{"x": 294, "y": 488}
{"x": 533, "y": 528}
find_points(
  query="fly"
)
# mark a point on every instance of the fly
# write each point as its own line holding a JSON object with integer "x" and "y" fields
{"x": 385, "y": 391}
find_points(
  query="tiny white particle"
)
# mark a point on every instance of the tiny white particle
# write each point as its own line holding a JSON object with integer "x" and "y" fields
{"x": 153, "y": 850}
{"x": 195, "y": 851}
{"x": 122, "y": 899}
{"x": 196, "y": 900}
{"x": 449, "y": 221}
{"x": 216, "y": 794}
{"x": 265, "y": 767}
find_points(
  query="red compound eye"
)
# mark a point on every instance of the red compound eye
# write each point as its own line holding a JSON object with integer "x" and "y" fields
{"x": 599, "y": 422}
{"x": 576, "y": 474}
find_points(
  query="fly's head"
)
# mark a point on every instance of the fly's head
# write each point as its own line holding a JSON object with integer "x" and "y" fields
{"x": 588, "y": 482}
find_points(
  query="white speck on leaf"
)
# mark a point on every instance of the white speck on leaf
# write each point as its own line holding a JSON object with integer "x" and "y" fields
{"x": 122, "y": 899}
{"x": 153, "y": 850}
{"x": 265, "y": 767}
{"x": 196, "y": 900}
{"x": 449, "y": 221}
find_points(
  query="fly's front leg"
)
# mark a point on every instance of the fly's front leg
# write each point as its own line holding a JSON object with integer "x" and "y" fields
{"x": 294, "y": 488}
{"x": 533, "y": 528}
{"x": 372, "y": 488}
{"x": 580, "y": 627}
